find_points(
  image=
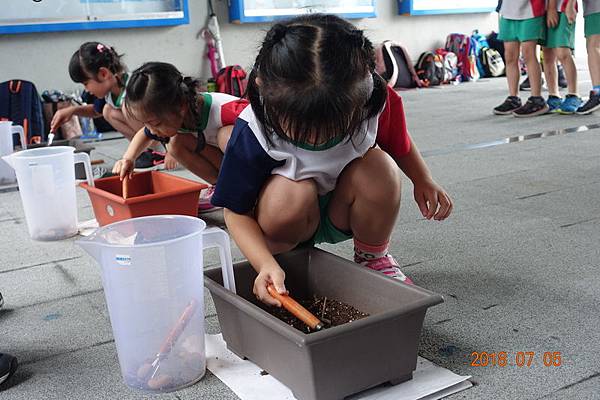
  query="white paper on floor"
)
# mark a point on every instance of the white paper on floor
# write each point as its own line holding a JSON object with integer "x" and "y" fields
{"x": 430, "y": 382}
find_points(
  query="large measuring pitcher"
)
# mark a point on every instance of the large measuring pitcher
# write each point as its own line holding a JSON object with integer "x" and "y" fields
{"x": 46, "y": 178}
{"x": 153, "y": 279}
{"x": 7, "y": 130}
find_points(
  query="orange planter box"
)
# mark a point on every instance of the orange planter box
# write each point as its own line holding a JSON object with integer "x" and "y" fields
{"x": 150, "y": 193}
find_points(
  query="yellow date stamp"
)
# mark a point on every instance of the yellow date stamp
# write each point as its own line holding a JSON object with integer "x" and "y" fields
{"x": 521, "y": 359}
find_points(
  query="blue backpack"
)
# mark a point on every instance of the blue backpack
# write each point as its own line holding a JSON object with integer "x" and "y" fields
{"x": 21, "y": 104}
{"x": 478, "y": 43}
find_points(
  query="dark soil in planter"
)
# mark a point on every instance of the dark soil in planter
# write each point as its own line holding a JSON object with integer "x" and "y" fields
{"x": 330, "y": 311}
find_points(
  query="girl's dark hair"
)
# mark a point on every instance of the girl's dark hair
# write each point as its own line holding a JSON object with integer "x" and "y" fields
{"x": 159, "y": 89}
{"x": 317, "y": 80}
{"x": 91, "y": 56}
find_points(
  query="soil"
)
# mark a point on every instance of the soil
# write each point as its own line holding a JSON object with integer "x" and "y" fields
{"x": 330, "y": 311}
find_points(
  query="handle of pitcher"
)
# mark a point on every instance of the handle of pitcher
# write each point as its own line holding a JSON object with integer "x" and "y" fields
{"x": 19, "y": 129}
{"x": 84, "y": 158}
{"x": 215, "y": 237}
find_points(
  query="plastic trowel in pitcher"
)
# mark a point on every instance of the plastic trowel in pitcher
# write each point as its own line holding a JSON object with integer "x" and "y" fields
{"x": 148, "y": 372}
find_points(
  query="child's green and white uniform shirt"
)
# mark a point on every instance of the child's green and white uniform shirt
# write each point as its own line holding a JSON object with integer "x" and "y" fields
{"x": 250, "y": 159}
{"x": 522, "y": 9}
{"x": 114, "y": 101}
{"x": 218, "y": 110}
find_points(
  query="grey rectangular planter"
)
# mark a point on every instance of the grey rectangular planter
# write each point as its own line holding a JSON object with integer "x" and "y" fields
{"x": 336, "y": 362}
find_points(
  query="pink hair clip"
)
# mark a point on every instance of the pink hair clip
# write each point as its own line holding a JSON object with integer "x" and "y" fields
{"x": 100, "y": 47}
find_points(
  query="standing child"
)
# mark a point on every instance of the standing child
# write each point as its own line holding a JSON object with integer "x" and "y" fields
{"x": 100, "y": 69}
{"x": 315, "y": 158}
{"x": 591, "y": 13}
{"x": 560, "y": 42}
{"x": 522, "y": 27}
{"x": 171, "y": 111}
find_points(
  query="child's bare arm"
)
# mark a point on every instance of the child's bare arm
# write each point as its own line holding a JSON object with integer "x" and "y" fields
{"x": 552, "y": 18}
{"x": 250, "y": 239}
{"x": 64, "y": 114}
{"x": 571, "y": 11}
{"x": 139, "y": 143}
{"x": 432, "y": 199}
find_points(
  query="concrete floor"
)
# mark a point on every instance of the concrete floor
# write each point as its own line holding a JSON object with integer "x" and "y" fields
{"x": 517, "y": 262}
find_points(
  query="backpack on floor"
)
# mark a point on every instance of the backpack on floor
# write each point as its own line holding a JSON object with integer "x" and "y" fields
{"x": 492, "y": 62}
{"x": 478, "y": 43}
{"x": 463, "y": 48}
{"x": 496, "y": 44}
{"x": 430, "y": 69}
{"x": 232, "y": 80}
{"x": 395, "y": 66}
{"x": 450, "y": 62}
{"x": 21, "y": 104}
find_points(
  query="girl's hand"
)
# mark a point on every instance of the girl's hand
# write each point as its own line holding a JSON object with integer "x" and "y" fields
{"x": 552, "y": 18}
{"x": 123, "y": 167}
{"x": 170, "y": 161}
{"x": 571, "y": 13}
{"x": 271, "y": 274}
{"x": 60, "y": 117}
{"x": 433, "y": 201}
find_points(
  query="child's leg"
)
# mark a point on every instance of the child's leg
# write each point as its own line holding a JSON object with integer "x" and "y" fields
{"x": 287, "y": 212}
{"x": 511, "y": 53}
{"x": 593, "y": 50}
{"x": 118, "y": 121}
{"x": 368, "y": 208}
{"x": 550, "y": 71}
{"x": 534, "y": 71}
{"x": 204, "y": 164}
{"x": 566, "y": 58}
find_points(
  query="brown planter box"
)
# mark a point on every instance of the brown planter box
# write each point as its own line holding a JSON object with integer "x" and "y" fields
{"x": 150, "y": 193}
{"x": 335, "y": 362}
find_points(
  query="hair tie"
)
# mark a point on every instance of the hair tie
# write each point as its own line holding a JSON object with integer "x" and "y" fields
{"x": 100, "y": 47}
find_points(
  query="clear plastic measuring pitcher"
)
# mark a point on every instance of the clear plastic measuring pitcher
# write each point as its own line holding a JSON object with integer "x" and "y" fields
{"x": 46, "y": 178}
{"x": 7, "y": 130}
{"x": 153, "y": 278}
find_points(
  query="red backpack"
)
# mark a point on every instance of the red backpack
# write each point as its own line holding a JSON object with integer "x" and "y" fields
{"x": 462, "y": 46}
{"x": 232, "y": 80}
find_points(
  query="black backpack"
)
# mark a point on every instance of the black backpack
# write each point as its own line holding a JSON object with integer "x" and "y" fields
{"x": 21, "y": 104}
{"x": 496, "y": 44}
{"x": 430, "y": 69}
{"x": 394, "y": 65}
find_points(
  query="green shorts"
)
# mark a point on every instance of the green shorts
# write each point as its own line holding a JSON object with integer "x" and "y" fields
{"x": 523, "y": 30}
{"x": 592, "y": 24}
{"x": 327, "y": 232}
{"x": 563, "y": 35}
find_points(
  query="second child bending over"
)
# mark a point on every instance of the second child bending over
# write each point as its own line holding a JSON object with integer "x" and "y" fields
{"x": 195, "y": 127}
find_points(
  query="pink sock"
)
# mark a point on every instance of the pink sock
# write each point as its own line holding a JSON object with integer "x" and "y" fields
{"x": 367, "y": 252}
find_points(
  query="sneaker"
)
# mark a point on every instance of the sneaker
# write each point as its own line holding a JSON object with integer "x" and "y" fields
{"x": 149, "y": 160}
{"x": 562, "y": 80}
{"x": 525, "y": 86}
{"x": 554, "y": 103}
{"x": 204, "y": 204}
{"x": 387, "y": 265}
{"x": 570, "y": 104}
{"x": 8, "y": 366}
{"x": 144, "y": 160}
{"x": 510, "y": 104}
{"x": 158, "y": 158}
{"x": 535, "y": 105}
{"x": 591, "y": 105}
